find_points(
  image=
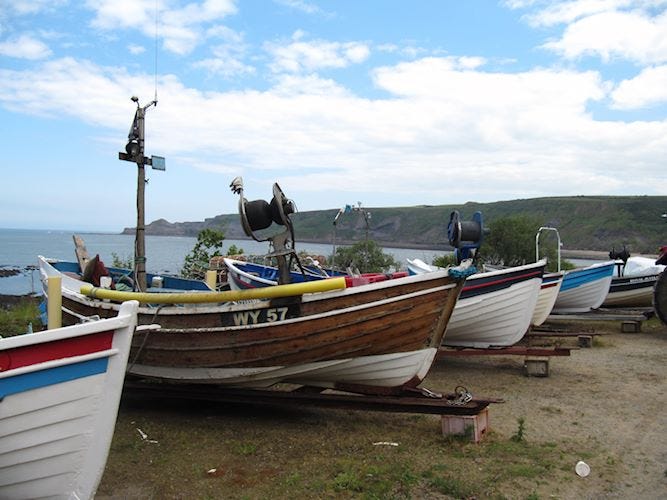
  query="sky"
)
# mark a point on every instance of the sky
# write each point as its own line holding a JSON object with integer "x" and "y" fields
{"x": 380, "y": 102}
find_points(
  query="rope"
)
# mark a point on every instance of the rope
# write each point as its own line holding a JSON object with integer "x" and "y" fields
{"x": 143, "y": 342}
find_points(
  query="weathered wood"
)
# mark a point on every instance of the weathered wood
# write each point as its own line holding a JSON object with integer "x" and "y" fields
{"x": 80, "y": 251}
{"x": 515, "y": 350}
{"x": 445, "y": 405}
{"x": 400, "y": 322}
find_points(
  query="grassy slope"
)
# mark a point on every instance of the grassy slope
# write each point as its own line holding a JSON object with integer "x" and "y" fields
{"x": 584, "y": 222}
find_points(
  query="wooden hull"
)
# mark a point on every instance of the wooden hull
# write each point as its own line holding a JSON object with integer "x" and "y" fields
{"x": 584, "y": 289}
{"x": 546, "y": 299}
{"x": 59, "y": 393}
{"x": 495, "y": 308}
{"x": 377, "y": 337}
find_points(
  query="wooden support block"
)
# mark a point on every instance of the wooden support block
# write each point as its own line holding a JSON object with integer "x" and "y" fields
{"x": 585, "y": 340}
{"x": 474, "y": 426}
{"x": 631, "y": 326}
{"x": 536, "y": 366}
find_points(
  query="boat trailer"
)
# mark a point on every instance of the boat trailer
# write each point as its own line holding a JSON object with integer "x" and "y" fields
{"x": 460, "y": 411}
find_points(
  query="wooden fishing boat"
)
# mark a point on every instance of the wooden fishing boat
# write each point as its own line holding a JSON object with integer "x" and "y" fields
{"x": 378, "y": 337}
{"x": 59, "y": 395}
{"x": 372, "y": 338}
{"x": 495, "y": 307}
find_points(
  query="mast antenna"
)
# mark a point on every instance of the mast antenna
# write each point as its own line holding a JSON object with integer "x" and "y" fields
{"x": 156, "y": 47}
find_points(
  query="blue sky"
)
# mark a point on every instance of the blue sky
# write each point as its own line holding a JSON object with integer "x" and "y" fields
{"x": 387, "y": 103}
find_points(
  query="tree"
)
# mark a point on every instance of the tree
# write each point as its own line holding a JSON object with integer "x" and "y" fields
{"x": 511, "y": 242}
{"x": 209, "y": 244}
{"x": 366, "y": 257}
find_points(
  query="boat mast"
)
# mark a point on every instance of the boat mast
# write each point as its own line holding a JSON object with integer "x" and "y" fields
{"x": 134, "y": 152}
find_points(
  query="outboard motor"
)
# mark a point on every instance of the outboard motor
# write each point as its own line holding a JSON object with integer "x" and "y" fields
{"x": 623, "y": 255}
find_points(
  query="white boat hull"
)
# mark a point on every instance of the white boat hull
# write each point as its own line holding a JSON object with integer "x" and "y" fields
{"x": 58, "y": 411}
{"x": 546, "y": 299}
{"x": 498, "y": 318}
{"x": 387, "y": 370}
{"x": 635, "y": 291}
{"x": 584, "y": 289}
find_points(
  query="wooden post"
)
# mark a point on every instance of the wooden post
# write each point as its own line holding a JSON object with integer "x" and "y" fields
{"x": 134, "y": 151}
{"x": 54, "y": 302}
{"x": 212, "y": 278}
{"x": 140, "y": 241}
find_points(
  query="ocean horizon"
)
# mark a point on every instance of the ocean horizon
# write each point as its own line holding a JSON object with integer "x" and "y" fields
{"x": 19, "y": 249}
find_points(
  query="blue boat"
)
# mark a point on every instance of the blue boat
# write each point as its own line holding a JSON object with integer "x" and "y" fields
{"x": 584, "y": 289}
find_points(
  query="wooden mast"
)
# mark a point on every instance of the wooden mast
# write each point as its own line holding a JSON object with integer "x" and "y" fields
{"x": 135, "y": 153}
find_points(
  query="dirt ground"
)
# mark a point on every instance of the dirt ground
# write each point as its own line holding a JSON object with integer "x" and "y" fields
{"x": 609, "y": 397}
{"x": 605, "y": 402}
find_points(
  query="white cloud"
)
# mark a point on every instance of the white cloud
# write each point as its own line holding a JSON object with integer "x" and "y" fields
{"x": 181, "y": 29}
{"x": 227, "y": 57}
{"x": 646, "y": 89}
{"x": 566, "y": 12}
{"x": 136, "y": 49}
{"x": 450, "y": 132}
{"x": 302, "y": 5}
{"x": 25, "y": 47}
{"x": 26, "y": 7}
{"x": 624, "y": 35}
{"x": 299, "y": 55}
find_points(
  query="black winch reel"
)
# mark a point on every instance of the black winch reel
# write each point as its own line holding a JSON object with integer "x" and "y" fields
{"x": 258, "y": 215}
{"x": 465, "y": 236}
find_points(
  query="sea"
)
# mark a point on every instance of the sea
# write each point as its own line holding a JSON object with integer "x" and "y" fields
{"x": 19, "y": 249}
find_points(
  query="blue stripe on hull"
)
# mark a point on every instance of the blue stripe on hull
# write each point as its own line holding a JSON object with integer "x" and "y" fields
{"x": 51, "y": 376}
{"x": 578, "y": 277}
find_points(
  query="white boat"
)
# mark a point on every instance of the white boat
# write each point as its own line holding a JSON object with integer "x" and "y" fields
{"x": 632, "y": 285}
{"x": 551, "y": 283}
{"x": 59, "y": 396}
{"x": 495, "y": 308}
{"x": 584, "y": 289}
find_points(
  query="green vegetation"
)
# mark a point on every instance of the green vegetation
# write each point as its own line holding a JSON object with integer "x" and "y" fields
{"x": 14, "y": 320}
{"x": 511, "y": 242}
{"x": 521, "y": 431}
{"x": 366, "y": 257}
{"x": 126, "y": 262}
{"x": 209, "y": 244}
{"x": 208, "y": 450}
{"x": 584, "y": 222}
{"x": 444, "y": 260}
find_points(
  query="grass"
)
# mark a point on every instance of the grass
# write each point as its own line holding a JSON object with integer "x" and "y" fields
{"x": 15, "y": 319}
{"x": 221, "y": 451}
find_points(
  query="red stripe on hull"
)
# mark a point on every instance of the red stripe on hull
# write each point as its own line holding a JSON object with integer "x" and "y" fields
{"x": 58, "y": 349}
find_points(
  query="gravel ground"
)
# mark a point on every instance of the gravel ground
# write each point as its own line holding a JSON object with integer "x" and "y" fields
{"x": 608, "y": 397}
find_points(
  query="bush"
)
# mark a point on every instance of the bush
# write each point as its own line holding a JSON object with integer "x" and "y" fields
{"x": 209, "y": 244}
{"x": 366, "y": 257}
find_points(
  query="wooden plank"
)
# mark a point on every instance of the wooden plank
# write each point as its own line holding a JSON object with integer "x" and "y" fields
{"x": 444, "y": 405}
{"x": 515, "y": 350}
{"x": 82, "y": 256}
